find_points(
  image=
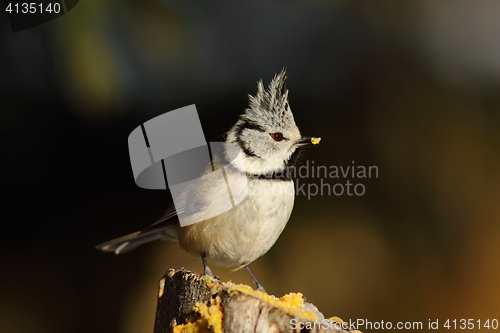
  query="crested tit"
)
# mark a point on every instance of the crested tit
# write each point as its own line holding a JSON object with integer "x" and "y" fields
{"x": 269, "y": 142}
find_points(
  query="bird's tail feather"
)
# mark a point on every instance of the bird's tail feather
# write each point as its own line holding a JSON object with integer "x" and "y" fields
{"x": 129, "y": 242}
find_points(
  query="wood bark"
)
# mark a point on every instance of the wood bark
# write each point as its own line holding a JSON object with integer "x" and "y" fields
{"x": 242, "y": 312}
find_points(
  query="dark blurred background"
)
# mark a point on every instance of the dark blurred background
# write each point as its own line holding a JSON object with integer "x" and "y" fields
{"x": 411, "y": 87}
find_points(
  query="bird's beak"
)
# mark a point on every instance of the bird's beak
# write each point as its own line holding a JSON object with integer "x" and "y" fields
{"x": 307, "y": 141}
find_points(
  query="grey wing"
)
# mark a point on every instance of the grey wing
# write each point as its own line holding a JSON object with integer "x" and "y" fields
{"x": 165, "y": 228}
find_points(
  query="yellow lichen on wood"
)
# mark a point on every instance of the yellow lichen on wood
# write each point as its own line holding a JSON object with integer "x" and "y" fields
{"x": 211, "y": 315}
{"x": 199, "y": 326}
{"x": 210, "y": 319}
{"x": 214, "y": 314}
{"x": 211, "y": 281}
{"x": 292, "y": 303}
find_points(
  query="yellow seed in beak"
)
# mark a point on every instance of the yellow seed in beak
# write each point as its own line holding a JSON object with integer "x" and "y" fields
{"x": 315, "y": 141}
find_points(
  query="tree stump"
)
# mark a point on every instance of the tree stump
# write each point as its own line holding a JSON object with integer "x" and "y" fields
{"x": 189, "y": 302}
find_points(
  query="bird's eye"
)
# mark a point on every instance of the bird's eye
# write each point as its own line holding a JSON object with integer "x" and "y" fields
{"x": 277, "y": 136}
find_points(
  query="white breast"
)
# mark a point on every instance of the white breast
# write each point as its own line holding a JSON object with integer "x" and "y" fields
{"x": 247, "y": 231}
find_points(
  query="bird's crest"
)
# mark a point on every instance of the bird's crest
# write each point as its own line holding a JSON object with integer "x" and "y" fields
{"x": 271, "y": 104}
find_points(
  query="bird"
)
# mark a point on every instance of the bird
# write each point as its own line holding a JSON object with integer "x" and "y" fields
{"x": 269, "y": 143}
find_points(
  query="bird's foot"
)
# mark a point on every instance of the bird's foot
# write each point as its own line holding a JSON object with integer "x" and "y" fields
{"x": 206, "y": 269}
{"x": 254, "y": 278}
